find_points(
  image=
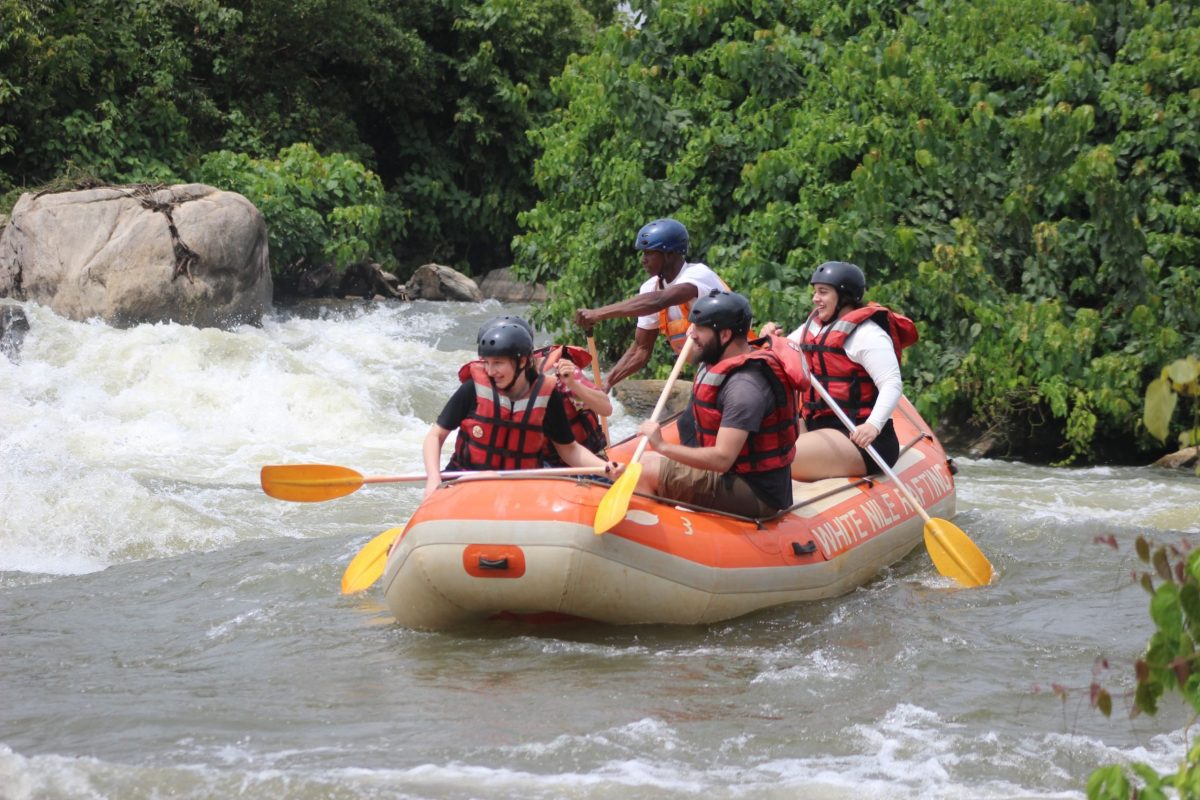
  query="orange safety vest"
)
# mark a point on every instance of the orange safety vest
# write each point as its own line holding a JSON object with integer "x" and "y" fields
{"x": 773, "y": 445}
{"x": 501, "y": 433}
{"x": 848, "y": 383}
{"x": 676, "y": 329}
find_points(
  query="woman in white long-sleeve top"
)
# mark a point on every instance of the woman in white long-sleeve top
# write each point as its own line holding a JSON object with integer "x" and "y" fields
{"x": 853, "y": 349}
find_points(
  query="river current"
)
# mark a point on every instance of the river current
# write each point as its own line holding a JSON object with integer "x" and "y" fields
{"x": 167, "y": 630}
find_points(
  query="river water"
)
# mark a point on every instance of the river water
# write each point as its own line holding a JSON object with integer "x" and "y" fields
{"x": 166, "y": 630}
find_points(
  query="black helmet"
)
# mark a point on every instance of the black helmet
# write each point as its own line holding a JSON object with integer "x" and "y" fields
{"x": 848, "y": 279}
{"x": 494, "y": 321}
{"x": 506, "y": 339}
{"x": 722, "y": 311}
{"x": 667, "y": 235}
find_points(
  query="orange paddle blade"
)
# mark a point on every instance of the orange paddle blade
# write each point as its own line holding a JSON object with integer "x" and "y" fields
{"x": 615, "y": 503}
{"x": 309, "y": 483}
{"x": 366, "y": 567}
{"x": 955, "y": 555}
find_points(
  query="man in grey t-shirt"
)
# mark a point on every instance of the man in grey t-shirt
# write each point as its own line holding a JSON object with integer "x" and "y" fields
{"x": 743, "y": 404}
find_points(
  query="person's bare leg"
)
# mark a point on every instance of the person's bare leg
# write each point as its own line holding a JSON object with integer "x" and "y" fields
{"x": 825, "y": 454}
{"x": 648, "y": 480}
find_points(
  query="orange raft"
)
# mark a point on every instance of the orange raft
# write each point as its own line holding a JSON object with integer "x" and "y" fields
{"x": 524, "y": 547}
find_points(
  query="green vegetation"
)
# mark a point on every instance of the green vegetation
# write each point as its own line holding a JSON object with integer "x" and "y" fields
{"x": 317, "y": 209}
{"x": 432, "y": 96}
{"x": 1180, "y": 378}
{"x": 1170, "y": 664}
{"x": 1018, "y": 176}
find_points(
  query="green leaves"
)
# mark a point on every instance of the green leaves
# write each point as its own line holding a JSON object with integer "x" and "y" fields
{"x": 1180, "y": 378}
{"x": 1020, "y": 167}
{"x": 318, "y": 209}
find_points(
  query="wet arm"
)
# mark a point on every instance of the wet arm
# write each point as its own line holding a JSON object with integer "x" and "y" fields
{"x": 431, "y": 453}
{"x": 636, "y": 357}
{"x": 593, "y": 399}
{"x": 576, "y": 455}
{"x": 639, "y": 305}
{"x": 718, "y": 458}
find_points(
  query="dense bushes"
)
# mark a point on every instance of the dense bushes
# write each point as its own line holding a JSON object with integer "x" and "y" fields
{"x": 1019, "y": 176}
{"x": 433, "y": 96}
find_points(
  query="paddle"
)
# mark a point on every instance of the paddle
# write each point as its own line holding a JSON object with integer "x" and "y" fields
{"x": 312, "y": 483}
{"x": 952, "y": 551}
{"x": 599, "y": 383}
{"x": 615, "y": 502}
{"x": 366, "y": 567}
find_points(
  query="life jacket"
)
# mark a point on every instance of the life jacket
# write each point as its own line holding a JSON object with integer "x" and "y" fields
{"x": 584, "y": 422}
{"x": 848, "y": 383}
{"x": 676, "y": 329}
{"x": 774, "y": 444}
{"x": 501, "y": 433}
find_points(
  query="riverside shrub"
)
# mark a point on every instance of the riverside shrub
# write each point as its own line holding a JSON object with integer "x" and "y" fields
{"x": 1018, "y": 176}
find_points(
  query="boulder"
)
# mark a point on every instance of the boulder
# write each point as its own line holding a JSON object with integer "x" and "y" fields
{"x": 189, "y": 253}
{"x": 1180, "y": 458}
{"x": 500, "y": 284}
{"x": 13, "y": 327}
{"x": 439, "y": 282}
{"x": 640, "y": 396}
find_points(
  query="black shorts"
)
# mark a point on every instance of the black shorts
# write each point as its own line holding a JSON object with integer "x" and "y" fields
{"x": 886, "y": 443}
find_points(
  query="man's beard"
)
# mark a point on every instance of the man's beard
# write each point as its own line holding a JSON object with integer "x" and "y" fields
{"x": 712, "y": 352}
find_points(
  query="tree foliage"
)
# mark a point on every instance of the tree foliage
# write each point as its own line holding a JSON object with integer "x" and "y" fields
{"x": 1169, "y": 665}
{"x": 317, "y": 210}
{"x": 1019, "y": 176}
{"x": 433, "y": 96}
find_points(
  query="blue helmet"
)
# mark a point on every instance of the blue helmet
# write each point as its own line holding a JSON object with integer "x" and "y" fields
{"x": 666, "y": 235}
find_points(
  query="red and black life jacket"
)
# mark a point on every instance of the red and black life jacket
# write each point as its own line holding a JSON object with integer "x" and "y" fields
{"x": 501, "y": 433}
{"x": 584, "y": 422}
{"x": 774, "y": 444}
{"x": 848, "y": 383}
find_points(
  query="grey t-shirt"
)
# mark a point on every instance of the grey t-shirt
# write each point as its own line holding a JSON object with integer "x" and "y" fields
{"x": 745, "y": 399}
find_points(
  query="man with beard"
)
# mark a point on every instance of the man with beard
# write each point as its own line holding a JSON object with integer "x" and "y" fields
{"x": 744, "y": 409}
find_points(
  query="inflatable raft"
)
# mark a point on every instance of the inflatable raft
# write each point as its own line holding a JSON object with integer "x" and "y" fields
{"x": 523, "y": 547}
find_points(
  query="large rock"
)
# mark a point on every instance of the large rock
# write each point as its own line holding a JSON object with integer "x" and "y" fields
{"x": 640, "y": 396}
{"x": 1180, "y": 458}
{"x": 189, "y": 253}
{"x": 13, "y": 327}
{"x": 499, "y": 284}
{"x": 438, "y": 282}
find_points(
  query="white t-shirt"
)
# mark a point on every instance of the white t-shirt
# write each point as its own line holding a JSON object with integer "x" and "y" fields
{"x": 699, "y": 275}
{"x": 871, "y": 347}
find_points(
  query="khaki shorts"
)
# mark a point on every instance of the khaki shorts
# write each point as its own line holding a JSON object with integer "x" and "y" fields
{"x": 703, "y": 487}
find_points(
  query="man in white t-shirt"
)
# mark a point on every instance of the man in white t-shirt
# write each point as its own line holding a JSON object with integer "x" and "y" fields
{"x": 663, "y": 301}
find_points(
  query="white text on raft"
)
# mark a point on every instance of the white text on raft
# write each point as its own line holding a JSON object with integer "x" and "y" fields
{"x": 872, "y": 516}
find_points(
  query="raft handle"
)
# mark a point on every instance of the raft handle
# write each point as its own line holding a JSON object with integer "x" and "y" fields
{"x": 493, "y": 563}
{"x": 804, "y": 549}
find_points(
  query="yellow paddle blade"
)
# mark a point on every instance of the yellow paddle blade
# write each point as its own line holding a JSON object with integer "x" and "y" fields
{"x": 366, "y": 567}
{"x": 955, "y": 555}
{"x": 615, "y": 503}
{"x": 309, "y": 483}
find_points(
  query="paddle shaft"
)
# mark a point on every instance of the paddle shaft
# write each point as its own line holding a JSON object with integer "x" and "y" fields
{"x": 599, "y": 382}
{"x": 502, "y": 473}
